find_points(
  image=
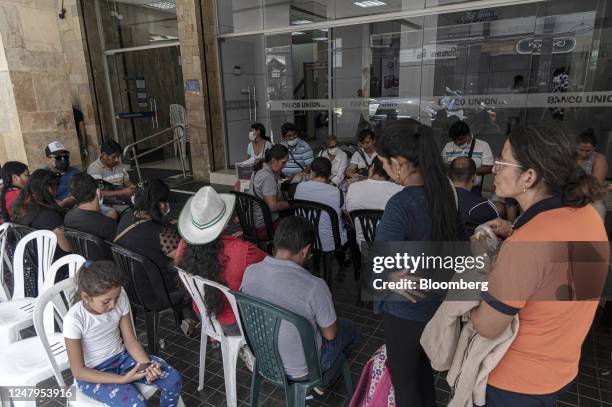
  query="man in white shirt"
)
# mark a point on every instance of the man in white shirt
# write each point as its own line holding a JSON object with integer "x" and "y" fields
{"x": 362, "y": 158}
{"x": 338, "y": 158}
{"x": 464, "y": 144}
{"x": 372, "y": 193}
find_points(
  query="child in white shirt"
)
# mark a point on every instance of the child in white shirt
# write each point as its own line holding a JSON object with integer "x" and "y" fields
{"x": 105, "y": 356}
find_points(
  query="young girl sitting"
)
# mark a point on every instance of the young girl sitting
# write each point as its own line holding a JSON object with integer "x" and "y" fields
{"x": 105, "y": 356}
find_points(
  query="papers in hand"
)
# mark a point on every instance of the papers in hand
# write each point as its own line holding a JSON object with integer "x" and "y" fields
{"x": 244, "y": 170}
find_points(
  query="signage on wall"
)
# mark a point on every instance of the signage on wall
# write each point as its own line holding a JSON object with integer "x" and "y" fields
{"x": 499, "y": 101}
{"x": 478, "y": 16}
{"x": 192, "y": 87}
{"x": 428, "y": 52}
{"x": 534, "y": 46}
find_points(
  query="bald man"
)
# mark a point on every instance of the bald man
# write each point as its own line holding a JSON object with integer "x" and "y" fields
{"x": 475, "y": 210}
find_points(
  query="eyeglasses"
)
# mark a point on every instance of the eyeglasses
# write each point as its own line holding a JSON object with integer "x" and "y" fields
{"x": 498, "y": 164}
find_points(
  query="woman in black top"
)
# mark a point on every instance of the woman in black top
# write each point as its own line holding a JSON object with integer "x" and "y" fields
{"x": 36, "y": 207}
{"x": 151, "y": 233}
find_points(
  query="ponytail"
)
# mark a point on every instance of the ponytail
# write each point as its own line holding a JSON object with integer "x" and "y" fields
{"x": 413, "y": 141}
{"x": 277, "y": 151}
{"x": 582, "y": 189}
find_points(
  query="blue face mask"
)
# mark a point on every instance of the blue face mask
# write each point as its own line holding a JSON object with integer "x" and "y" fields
{"x": 251, "y": 135}
{"x": 292, "y": 143}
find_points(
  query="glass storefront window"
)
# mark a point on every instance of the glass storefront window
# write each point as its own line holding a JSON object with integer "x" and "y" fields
{"x": 131, "y": 23}
{"x": 239, "y": 15}
{"x": 495, "y": 68}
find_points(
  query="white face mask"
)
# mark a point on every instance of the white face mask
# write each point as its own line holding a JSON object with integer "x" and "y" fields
{"x": 251, "y": 135}
{"x": 292, "y": 143}
{"x": 332, "y": 151}
{"x": 100, "y": 198}
{"x": 167, "y": 211}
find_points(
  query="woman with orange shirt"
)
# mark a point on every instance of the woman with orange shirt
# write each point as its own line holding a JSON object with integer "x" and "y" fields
{"x": 530, "y": 275}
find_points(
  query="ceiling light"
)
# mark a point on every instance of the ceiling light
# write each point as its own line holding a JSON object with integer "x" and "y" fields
{"x": 298, "y": 33}
{"x": 163, "y": 4}
{"x": 369, "y": 3}
{"x": 323, "y": 29}
{"x": 298, "y": 22}
{"x": 320, "y": 39}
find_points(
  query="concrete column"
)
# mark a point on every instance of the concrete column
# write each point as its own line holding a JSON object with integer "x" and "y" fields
{"x": 199, "y": 61}
{"x": 41, "y": 68}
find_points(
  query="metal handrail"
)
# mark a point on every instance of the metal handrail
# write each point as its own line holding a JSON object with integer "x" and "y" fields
{"x": 135, "y": 156}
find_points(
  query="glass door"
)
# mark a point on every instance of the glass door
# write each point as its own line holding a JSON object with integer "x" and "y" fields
{"x": 244, "y": 92}
{"x": 145, "y": 83}
{"x": 299, "y": 85}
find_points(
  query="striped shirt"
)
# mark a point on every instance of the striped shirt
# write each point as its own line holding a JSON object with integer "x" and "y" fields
{"x": 301, "y": 155}
{"x": 116, "y": 175}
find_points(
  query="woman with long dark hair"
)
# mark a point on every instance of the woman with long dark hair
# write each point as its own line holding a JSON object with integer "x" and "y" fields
{"x": 15, "y": 176}
{"x": 259, "y": 143}
{"x": 146, "y": 229}
{"x": 36, "y": 206}
{"x": 424, "y": 210}
{"x": 538, "y": 168}
{"x": 206, "y": 253}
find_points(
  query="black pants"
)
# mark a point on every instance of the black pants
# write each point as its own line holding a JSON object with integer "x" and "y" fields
{"x": 411, "y": 371}
{"x": 502, "y": 398}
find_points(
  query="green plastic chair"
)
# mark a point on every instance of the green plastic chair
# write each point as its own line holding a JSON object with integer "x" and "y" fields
{"x": 261, "y": 322}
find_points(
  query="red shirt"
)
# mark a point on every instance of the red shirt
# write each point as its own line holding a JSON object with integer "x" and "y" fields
{"x": 238, "y": 254}
{"x": 10, "y": 198}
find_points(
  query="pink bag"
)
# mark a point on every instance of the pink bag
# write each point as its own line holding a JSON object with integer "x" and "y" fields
{"x": 375, "y": 388}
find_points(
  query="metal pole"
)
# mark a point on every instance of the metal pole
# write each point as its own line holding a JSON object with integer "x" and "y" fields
{"x": 136, "y": 163}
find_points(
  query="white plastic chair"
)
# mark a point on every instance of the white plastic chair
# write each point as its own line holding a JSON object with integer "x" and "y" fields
{"x": 16, "y": 314}
{"x": 5, "y": 293}
{"x": 55, "y": 300}
{"x": 178, "y": 115}
{"x": 230, "y": 345}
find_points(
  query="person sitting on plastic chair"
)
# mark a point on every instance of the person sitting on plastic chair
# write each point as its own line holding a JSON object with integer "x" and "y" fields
{"x": 283, "y": 281}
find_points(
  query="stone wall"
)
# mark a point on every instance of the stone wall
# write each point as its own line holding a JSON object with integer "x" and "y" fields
{"x": 42, "y": 71}
{"x": 200, "y": 62}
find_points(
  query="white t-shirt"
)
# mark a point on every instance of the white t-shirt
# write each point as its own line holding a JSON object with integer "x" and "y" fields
{"x": 482, "y": 154}
{"x": 369, "y": 194}
{"x": 99, "y": 334}
{"x": 328, "y": 195}
{"x": 358, "y": 160}
{"x": 339, "y": 165}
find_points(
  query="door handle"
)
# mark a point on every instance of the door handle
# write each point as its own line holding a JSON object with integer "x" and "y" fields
{"x": 255, "y": 101}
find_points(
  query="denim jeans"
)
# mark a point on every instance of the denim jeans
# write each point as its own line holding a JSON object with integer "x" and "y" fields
{"x": 169, "y": 384}
{"x": 331, "y": 350}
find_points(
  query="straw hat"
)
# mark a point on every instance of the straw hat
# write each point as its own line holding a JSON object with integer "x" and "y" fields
{"x": 205, "y": 215}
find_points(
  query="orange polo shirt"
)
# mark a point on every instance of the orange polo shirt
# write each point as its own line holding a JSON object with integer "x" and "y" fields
{"x": 531, "y": 271}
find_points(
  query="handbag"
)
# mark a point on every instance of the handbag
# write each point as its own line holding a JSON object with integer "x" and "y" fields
{"x": 375, "y": 388}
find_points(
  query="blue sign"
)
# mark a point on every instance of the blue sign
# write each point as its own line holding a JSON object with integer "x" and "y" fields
{"x": 133, "y": 115}
{"x": 192, "y": 87}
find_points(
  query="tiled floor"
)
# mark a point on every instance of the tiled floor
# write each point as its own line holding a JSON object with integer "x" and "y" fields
{"x": 593, "y": 388}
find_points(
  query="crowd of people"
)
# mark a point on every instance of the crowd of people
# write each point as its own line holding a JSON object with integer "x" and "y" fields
{"x": 427, "y": 193}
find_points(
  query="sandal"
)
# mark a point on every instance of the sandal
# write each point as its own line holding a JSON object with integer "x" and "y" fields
{"x": 188, "y": 326}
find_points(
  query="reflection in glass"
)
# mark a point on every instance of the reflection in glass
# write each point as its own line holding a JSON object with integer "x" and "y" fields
{"x": 129, "y": 24}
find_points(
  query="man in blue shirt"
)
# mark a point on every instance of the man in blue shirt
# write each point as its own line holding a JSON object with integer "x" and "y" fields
{"x": 300, "y": 152}
{"x": 475, "y": 210}
{"x": 58, "y": 160}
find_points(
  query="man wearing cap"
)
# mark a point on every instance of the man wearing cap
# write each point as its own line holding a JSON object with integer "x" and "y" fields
{"x": 110, "y": 169}
{"x": 58, "y": 161}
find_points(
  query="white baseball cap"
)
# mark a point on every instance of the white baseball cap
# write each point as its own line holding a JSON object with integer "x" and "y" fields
{"x": 54, "y": 147}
